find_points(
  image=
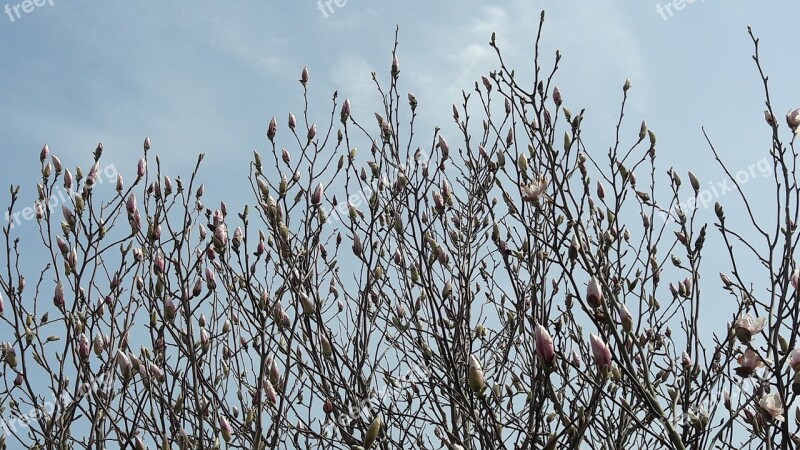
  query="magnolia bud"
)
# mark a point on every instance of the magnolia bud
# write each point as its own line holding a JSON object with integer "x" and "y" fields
{"x": 372, "y": 432}
{"x": 476, "y": 379}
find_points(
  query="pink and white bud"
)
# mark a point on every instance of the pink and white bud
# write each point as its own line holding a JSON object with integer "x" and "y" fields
{"x": 91, "y": 177}
{"x": 487, "y": 83}
{"x": 272, "y": 129}
{"x": 594, "y": 293}
{"x": 444, "y": 147}
{"x": 57, "y": 164}
{"x": 395, "y": 67}
{"x": 625, "y": 318}
{"x": 225, "y": 429}
{"x": 141, "y": 168}
{"x": 686, "y": 360}
{"x": 146, "y": 143}
{"x": 292, "y": 121}
{"x": 312, "y": 132}
{"x": 770, "y": 118}
{"x": 220, "y": 237}
{"x": 316, "y": 197}
{"x": 557, "y": 96}
{"x": 83, "y": 347}
{"x": 58, "y": 297}
{"x": 130, "y": 204}
{"x": 304, "y": 76}
{"x": 211, "y": 283}
{"x": 794, "y": 360}
{"x": 601, "y": 352}
{"x": 67, "y": 180}
{"x": 124, "y": 364}
{"x": 44, "y": 153}
{"x": 345, "y": 114}
{"x": 793, "y": 120}
{"x": 544, "y": 345}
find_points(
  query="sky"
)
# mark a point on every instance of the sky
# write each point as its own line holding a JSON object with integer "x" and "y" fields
{"x": 207, "y": 76}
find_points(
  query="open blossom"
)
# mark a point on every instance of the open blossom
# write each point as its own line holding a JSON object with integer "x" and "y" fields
{"x": 773, "y": 406}
{"x": 749, "y": 362}
{"x": 602, "y": 355}
{"x": 746, "y": 326}
{"x": 544, "y": 345}
{"x": 534, "y": 190}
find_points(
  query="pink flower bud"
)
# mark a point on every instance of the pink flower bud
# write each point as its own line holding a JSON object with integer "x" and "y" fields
{"x": 327, "y": 407}
{"x": 793, "y": 119}
{"x": 794, "y": 360}
{"x": 557, "y": 96}
{"x": 285, "y": 156}
{"x": 544, "y": 345}
{"x": 444, "y": 147}
{"x": 345, "y": 114}
{"x": 594, "y": 293}
{"x": 130, "y": 204}
{"x": 486, "y": 83}
{"x": 67, "y": 180}
{"x": 211, "y": 283}
{"x": 292, "y": 121}
{"x": 395, "y": 67}
{"x": 770, "y": 118}
{"x": 56, "y": 164}
{"x": 602, "y": 355}
{"x": 312, "y": 131}
{"x": 124, "y": 364}
{"x": 225, "y": 429}
{"x": 44, "y": 153}
{"x": 686, "y": 360}
{"x": 141, "y": 168}
{"x": 58, "y": 297}
{"x": 304, "y": 76}
{"x": 272, "y": 129}
{"x": 147, "y": 143}
{"x": 91, "y": 178}
{"x": 83, "y": 347}
{"x": 316, "y": 197}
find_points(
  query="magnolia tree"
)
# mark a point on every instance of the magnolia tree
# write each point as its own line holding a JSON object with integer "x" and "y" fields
{"x": 502, "y": 286}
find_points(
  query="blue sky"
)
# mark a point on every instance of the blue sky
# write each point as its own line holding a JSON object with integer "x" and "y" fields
{"x": 207, "y": 76}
